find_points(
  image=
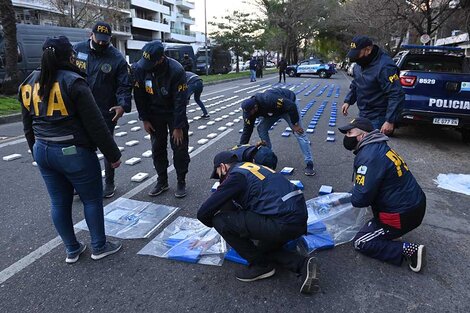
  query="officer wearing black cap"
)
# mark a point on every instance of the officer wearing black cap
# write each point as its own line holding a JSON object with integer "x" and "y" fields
{"x": 383, "y": 181}
{"x": 63, "y": 127}
{"x": 161, "y": 97}
{"x": 258, "y": 154}
{"x": 376, "y": 86}
{"x": 253, "y": 202}
{"x": 108, "y": 77}
{"x": 272, "y": 105}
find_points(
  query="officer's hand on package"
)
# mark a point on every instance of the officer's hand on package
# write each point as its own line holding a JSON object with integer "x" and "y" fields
{"x": 345, "y": 108}
{"x": 116, "y": 164}
{"x": 387, "y": 128}
{"x": 178, "y": 136}
{"x": 148, "y": 127}
{"x": 299, "y": 130}
{"x": 119, "y": 112}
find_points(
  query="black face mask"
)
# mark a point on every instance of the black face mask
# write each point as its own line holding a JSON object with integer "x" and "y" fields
{"x": 350, "y": 143}
{"x": 365, "y": 61}
{"x": 99, "y": 48}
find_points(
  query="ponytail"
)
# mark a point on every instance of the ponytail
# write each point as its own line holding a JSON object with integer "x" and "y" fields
{"x": 49, "y": 67}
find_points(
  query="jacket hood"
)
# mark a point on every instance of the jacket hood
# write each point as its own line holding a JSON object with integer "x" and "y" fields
{"x": 374, "y": 136}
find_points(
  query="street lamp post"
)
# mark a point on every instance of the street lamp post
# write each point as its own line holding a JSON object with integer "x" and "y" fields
{"x": 205, "y": 37}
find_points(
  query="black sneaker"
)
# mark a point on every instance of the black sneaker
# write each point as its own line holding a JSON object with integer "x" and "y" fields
{"x": 74, "y": 256}
{"x": 109, "y": 248}
{"x": 158, "y": 189}
{"x": 206, "y": 116}
{"x": 108, "y": 190}
{"x": 180, "y": 190}
{"x": 255, "y": 272}
{"x": 415, "y": 255}
{"x": 309, "y": 277}
{"x": 309, "y": 171}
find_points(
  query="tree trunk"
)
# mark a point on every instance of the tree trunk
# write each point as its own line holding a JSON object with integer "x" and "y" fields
{"x": 7, "y": 17}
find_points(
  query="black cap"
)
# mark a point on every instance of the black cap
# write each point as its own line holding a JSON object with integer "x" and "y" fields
{"x": 359, "y": 122}
{"x": 248, "y": 104}
{"x": 151, "y": 53}
{"x": 265, "y": 156}
{"x": 102, "y": 31}
{"x": 225, "y": 157}
{"x": 358, "y": 43}
{"x": 61, "y": 45}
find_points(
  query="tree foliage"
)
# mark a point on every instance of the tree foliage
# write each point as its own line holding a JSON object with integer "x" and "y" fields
{"x": 8, "y": 20}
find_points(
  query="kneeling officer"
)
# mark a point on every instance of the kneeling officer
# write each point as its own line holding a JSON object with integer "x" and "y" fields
{"x": 268, "y": 209}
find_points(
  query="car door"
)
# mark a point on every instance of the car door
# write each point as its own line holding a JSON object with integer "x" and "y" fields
{"x": 314, "y": 65}
{"x": 303, "y": 67}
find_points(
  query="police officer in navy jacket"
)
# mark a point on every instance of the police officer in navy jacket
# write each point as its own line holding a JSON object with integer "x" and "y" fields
{"x": 268, "y": 209}
{"x": 161, "y": 97}
{"x": 107, "y": 74}
{"x": 384, "y": 181}
{"x": 376, "y": 86}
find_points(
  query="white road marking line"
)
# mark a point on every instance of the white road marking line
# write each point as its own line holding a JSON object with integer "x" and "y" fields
{"x": 13, "y": 142}
{"x": 52, "y": 244}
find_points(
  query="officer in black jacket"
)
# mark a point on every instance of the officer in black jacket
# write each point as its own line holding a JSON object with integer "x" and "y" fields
{"x": 376, "y": 86}
{"x": 383, "y": 180}
{"x": 161, "y": 97}
{"x": 187, "y": 63}
{"x": 196, "y": 86}
{"x": 258, "y": 154}
{"x": 63, "y": 127}
{"x": 268, "y": 209}
{"x": 272, "y": 105}
{"x": 107, "y": 75}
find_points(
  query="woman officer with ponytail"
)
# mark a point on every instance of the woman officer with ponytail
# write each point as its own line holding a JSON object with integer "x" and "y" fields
{"x": 63, "y": 127}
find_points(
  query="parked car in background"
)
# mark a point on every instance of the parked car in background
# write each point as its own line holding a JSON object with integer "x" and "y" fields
{"x": 219, "y": 60}
{"x": 270, "y": 64}
{"x": 311, "y": 66}
{"x": 351, "y": 68}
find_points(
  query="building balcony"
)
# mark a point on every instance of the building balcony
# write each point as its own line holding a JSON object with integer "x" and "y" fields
{"x": 35, "y": 4}
{"x": 121, "y": 30}
{"x": 170, "y": 1}
{"x": 151, "y": 5}
{"x": 150, "y": 25}
{"x": 185, "y": 4}
{"x": 181, "y": 35}
{"x": 185, "y": 19}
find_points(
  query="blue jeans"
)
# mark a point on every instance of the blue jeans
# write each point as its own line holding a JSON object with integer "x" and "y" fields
{"x": 64, "y": 173}
{"x": 252, "y": 75}
{"x": 304, "y": 143}
{"x": 197, "y": 88}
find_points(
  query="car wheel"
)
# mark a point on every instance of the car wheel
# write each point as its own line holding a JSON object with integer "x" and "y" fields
{"x": 322, "y": 74}
{"x": 291, "y": 73}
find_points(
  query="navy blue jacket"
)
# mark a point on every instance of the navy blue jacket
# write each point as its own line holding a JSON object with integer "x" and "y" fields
{"x": 272, "y": 102}
{"x": 376, "y": 89}
{"x": 163, "y": 93}
{"x": 383, "y": 180}
{"x": 108, "y": 76}
{"x": 259, "y": 190}
{"x": 253, "y": 64}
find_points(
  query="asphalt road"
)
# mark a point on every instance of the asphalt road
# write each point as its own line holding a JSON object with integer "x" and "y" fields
{"x": 35, "y": 278}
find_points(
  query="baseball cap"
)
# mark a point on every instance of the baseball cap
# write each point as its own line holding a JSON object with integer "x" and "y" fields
{"x": 226, "y": 157}
{"x": 102, "y": 31}
{"x": 358, "y": 43}
{"x": 248, "y": 104}
{"x": 60, "y": 44}
{"x": 151, "y": 53}
{"x": 266, "y": 156}
{"x": 359, "y": 122}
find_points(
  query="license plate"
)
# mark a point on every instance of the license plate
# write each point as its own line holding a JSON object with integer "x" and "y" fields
{"x": 446, "y": 121}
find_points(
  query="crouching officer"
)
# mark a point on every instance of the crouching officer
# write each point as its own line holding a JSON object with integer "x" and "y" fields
{"x": 161, "y": 97}
{"x": 272, "y": 105}
{"x": 63, "y": 127}
{"x": 258, "y": 154}
{"x": 195, "y": 86}
{"x": 107, "y": 75}
{"x": 268, "y": 209}
{"x": 383, "y": 180}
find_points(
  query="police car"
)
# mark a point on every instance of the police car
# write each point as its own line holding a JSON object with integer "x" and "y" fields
{"x": 311, "y": 66}
{"x": 436, "y": 81}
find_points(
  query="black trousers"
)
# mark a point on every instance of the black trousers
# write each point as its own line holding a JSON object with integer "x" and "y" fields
{"x": 280, "y": 75}
{"x": 240, "y": 228}
{"x": 108, "y": 170}
{"x": 159, "y": 139}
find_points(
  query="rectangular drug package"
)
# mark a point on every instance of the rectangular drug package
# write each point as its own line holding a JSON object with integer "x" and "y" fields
{"x": 133, "y": 161}
{"x": 325, "y": 189}
{"x": 132, "y": 143}
{"x": 285, "y": 134}
{"x": 12, "y": 157}
{"x": 147, "y": 154}
{"x": 330, "y": 132}
{"x": 139, "y": 177}
{"x": 330, "y": 139}
{"x": 298, "y": 183}
{"x": 287, "y": 171}
{"x": 215, "y": 186}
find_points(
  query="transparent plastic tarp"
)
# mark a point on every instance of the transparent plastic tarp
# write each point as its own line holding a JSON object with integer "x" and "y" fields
{"x": 454, "y": 182}
{"x": 331, "y": 223}
{"x": 132, "y": 219}
{"x": 188, "y": 240}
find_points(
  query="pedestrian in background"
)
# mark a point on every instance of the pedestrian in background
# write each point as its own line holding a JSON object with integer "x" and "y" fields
{"x": 187, "y": 63}
{"x": 63, "y": 127}
{"x": 253, "y": 66}
{"x": 282, "y": 66}
{"x": 196, "y": 86}
{"x": 108, "y": 76}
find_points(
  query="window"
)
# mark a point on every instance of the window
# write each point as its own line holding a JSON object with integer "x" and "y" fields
{"x": 434, "y": 63}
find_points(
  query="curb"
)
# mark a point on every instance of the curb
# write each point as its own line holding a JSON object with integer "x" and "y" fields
{"x": 12, "y": 118}
{"x": 231, "y": 80}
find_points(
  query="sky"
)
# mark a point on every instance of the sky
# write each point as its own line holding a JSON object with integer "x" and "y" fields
{"x": 216, "y": 8}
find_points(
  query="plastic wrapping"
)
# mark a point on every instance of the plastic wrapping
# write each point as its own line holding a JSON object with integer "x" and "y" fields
{"x": 188, "y": 240}
{"x": 454, "y": 182}
{"x": 331, "y": 223}
{"x": 132, "y": 219}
